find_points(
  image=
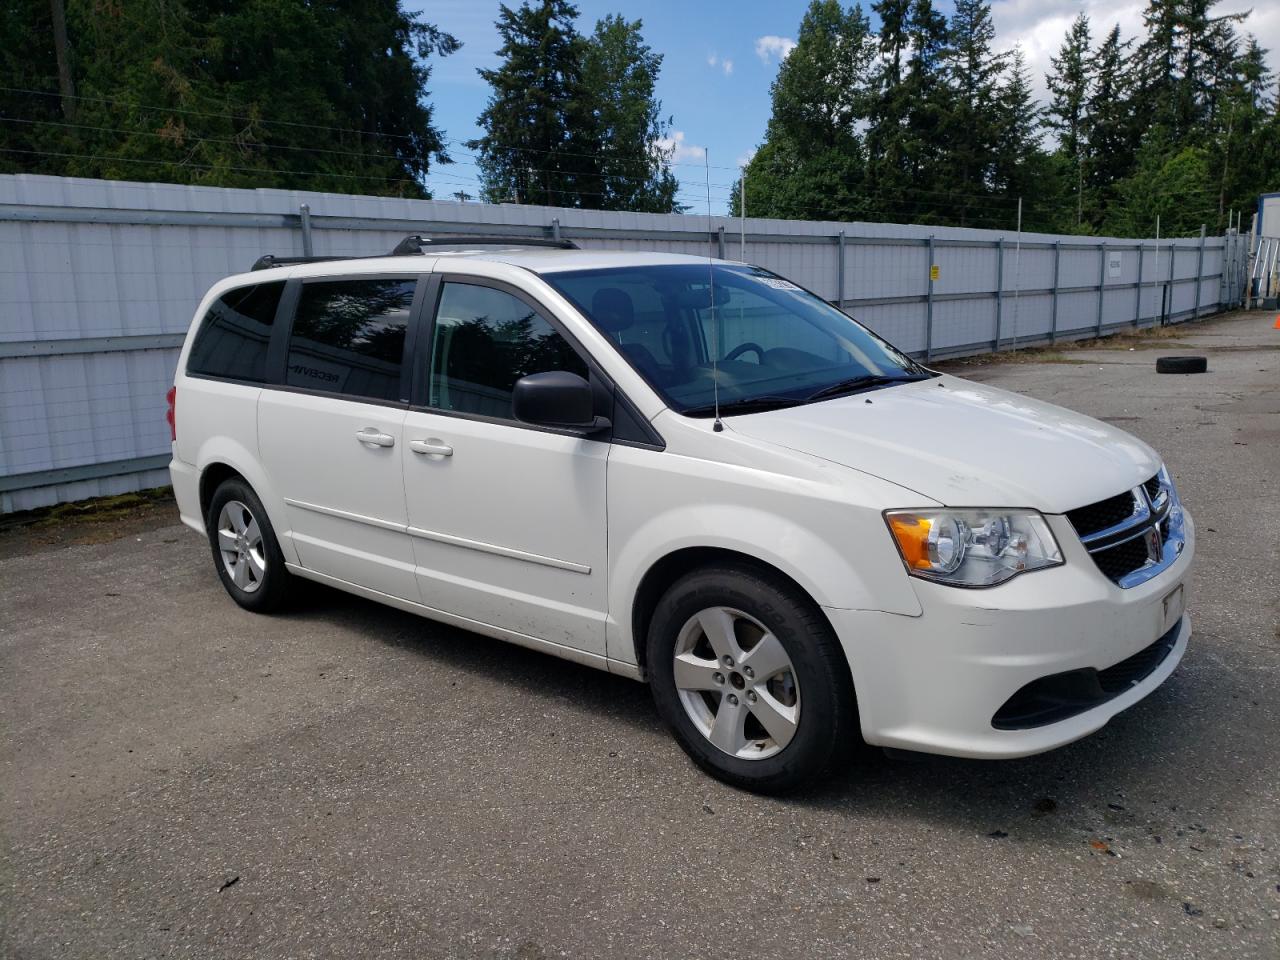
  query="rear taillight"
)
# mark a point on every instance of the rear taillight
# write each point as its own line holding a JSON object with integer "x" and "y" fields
{"x": 171, "y": 415}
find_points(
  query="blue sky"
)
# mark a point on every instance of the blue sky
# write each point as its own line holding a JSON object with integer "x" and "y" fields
{"x": 719, "y": 60}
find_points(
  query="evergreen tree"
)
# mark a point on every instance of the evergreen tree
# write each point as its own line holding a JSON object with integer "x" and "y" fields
{"x": 1069, "y": 82}
{"x": 812, "y": 161}
{"x": 1109, "y": 120}
{"x": 621, "y": 71}
{"x": 1243, "y": 149}
{"x": 573, "y": 121}
{"x": 923, "y": 142}
{"x": 1169, "y": 183}
{"x": 540, "y": 128}
{"x": 1022, "y": 168}
{"x": 974, "y": 71}
{"x": 279, "y": 94}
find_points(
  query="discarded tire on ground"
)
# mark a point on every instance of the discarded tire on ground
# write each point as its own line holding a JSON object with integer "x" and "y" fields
{"x": 1181, "y": 364}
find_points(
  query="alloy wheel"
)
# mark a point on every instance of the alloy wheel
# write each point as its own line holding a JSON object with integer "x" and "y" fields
{"x": 240, "y": 545}
{"x": 736, "y": 683}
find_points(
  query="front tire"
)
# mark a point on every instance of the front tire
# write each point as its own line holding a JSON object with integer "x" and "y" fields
{"x": 246, "y": 552}
{"x": 748, "y": 675}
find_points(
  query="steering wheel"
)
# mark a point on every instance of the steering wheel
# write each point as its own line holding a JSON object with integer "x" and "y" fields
{"x": 742, "y": 348}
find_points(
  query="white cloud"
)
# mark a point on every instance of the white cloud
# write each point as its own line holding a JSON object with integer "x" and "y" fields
{"x": 744, "y": 158}
{"x": 771, "y": 47}
{"x": 724, "y": 63}
{"x": 677, "y": 150}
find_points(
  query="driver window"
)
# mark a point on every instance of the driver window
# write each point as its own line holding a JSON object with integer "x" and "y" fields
{"x": 483, "y": 341}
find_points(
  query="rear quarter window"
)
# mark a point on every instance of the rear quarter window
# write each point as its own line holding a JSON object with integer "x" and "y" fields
{"x": 232, "y": 340}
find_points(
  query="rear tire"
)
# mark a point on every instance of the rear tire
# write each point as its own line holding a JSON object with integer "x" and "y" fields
{"x": 246, "y": 553}
{"x": 770, "y": 728}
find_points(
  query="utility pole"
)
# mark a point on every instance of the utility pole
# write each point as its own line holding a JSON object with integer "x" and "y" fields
{"x": 66, "y": 85}
{"x": 742, "y": 215}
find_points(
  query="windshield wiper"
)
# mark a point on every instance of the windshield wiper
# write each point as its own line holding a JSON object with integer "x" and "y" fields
{"x": 744, "y": 405}
{"x": 855, "y": 384}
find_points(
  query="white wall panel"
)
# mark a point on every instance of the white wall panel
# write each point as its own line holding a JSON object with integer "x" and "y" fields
{"x": 90, "y": 258}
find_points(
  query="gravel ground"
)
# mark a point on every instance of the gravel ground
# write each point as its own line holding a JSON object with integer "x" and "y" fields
{"x": 180, "y": 778}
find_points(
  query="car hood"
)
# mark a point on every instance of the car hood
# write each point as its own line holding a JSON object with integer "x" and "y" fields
{"x": 964, "y": 444}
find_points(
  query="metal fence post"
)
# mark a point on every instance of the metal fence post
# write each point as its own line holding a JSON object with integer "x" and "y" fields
{"x": 995, "y": 347}
{"x": 1137, "y": 307}
{"x": 1199, "y": 272}
{"x": 840, "y": 272}
{"x": 1053, "y": 314}
{"x": 305, "y": 212}
{"x": 1173, "y": 257}
{"x": 1102, "y": 281}
{"x": 720, "y": 242}
{"x": 928, "y": 320}
{"x": 555, "y": 228}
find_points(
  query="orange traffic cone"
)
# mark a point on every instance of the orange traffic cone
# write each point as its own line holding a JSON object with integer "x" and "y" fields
{"x": 1278, "y": 321}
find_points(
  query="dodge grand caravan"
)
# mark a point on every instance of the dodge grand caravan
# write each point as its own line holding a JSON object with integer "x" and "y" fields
{"x": 690, "y": 472}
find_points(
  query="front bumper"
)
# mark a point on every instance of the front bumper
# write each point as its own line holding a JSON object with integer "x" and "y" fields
{"x": 935, "y": 682}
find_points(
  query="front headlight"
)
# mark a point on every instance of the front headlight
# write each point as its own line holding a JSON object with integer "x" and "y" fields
{"x": 972, "y": 548}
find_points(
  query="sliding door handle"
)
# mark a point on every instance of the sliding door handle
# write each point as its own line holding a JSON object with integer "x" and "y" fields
{"x": 375, "y": 437}
{"x": 430, "y": 448}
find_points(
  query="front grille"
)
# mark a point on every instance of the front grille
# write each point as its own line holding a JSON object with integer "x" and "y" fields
{"x": 1122, "y": 559}
{"x": 1118, "y": 560}
{"x": 1103, "y": 514}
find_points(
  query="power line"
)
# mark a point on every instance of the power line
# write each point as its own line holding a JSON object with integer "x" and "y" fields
{"x": 247, "y": 116}
{"x": 207, "y": 166}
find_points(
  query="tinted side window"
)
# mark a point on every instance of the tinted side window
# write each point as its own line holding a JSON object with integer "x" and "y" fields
{"x": 485, "y": 340}
{"x": 232, "y": 339}
{"x": 348, "y": 337}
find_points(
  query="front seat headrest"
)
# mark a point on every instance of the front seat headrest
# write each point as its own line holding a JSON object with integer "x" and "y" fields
{"x": 612, "y": 310}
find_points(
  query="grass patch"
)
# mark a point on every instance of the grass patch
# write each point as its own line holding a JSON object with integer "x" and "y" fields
{"x": 98, "y": 509}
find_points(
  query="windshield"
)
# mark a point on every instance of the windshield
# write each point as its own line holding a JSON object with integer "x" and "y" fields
{"x": 774, "y": 343}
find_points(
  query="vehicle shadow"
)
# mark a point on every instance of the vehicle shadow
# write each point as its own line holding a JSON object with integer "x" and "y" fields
{"x": 1123, "y": 785}
{"x": 536, "y": 674}
{"x": 1120, "y": 781}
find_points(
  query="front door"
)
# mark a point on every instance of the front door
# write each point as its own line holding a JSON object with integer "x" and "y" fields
{"x": 507, "y": 521}
{"x": 331, "y": 437}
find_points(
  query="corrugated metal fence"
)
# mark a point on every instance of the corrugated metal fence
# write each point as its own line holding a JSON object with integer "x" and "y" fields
{"x": 99, "y": 280}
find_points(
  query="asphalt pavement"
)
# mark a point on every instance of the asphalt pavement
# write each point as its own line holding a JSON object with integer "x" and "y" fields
{"x": 180, "y": 778}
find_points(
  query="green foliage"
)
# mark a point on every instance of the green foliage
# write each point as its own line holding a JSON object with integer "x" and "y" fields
{"x": 621, "y": 72}
{"x": 812, "y": 165}
{"x": 1179, "y": 122}
{"x": 1168, "y": 183}
{"x": 264, "y": 93}
{"x": 572, "y": 121}
{"x": 1069, "y": 84}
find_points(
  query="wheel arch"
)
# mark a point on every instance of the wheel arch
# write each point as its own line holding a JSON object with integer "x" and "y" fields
{"x": 212, "y": 477}
{"x": 223, "y": 461}
{"x": 668, "y": 569}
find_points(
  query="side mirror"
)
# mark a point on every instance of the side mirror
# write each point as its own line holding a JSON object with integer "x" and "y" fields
{"x": 556, "y": 398}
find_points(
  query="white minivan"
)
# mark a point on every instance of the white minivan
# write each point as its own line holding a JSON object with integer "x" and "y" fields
{"x": 690, "y": 472}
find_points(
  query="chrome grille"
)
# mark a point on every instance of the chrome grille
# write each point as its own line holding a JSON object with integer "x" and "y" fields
{"x": 1134, "y": 535}
{"x": 1103, "y": 514}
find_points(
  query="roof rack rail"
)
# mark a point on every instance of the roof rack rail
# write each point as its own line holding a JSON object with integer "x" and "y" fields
{"x": 269, "y": 260}
{"x": 415, "y": 244}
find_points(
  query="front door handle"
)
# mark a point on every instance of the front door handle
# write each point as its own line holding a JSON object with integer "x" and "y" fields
{"x": 431, "y": 448}
{"x": 374, "y": 436}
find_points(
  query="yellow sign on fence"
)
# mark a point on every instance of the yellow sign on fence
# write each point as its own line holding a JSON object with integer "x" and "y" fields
{"x": 934, "y": 272}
